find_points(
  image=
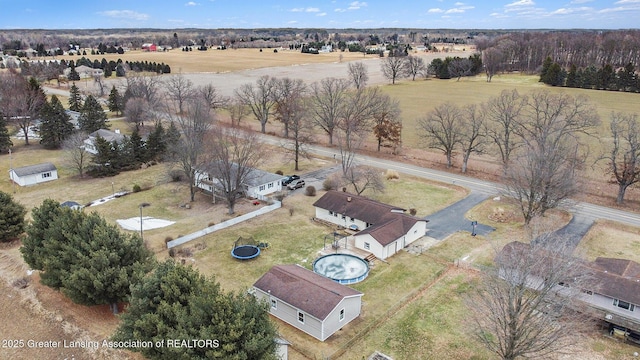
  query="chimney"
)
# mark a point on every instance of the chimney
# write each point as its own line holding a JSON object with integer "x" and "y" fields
{"x": 348, "y": 198}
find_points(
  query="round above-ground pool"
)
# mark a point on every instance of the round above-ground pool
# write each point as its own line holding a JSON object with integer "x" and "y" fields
{"x": 343, "y": 268}
{"x": 245, "y": 252}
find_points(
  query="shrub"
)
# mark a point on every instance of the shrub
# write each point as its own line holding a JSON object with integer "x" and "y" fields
{"x": 329, "y": 184}
{"x": 172, "y": 252}
{"x": 211, "y": 223}
{"x": 392, "y": 174}
{"x": 310, "y": 191}
{"x": 279, "y": 172}
{"x": 21, "y": 283}
{"x": 136, "y": 188}
{"x": 413, "y": 211}
{"x": 176, "y": 175}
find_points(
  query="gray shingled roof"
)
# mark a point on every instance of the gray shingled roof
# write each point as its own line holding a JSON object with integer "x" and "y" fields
{"x": 312, "y": 293}
{"x": 34, "y": 169}
{"x": 108, "y": 135}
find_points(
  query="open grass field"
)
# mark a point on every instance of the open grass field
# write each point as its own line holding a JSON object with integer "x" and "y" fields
{"x": 611, "y": 239}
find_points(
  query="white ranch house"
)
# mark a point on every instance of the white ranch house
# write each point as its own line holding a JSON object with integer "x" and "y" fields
{"x": 382, "y": 229}
{"x": 307, "y": 301}
{"x": 258, "y": 185}
{"x": 110, "y": 136}
{"x": 33, "y": 174}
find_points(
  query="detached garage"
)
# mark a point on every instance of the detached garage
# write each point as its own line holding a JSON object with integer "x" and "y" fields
{"x": 33, "y": 174}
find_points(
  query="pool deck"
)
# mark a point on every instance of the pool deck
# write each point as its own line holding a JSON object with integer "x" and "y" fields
{"x": 350, "y": 249}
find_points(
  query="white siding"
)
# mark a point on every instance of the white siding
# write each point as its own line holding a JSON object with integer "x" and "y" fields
{"x": 34, "y": 178}
{"x": 606, "y": 303}
{"x": 289, "y": 314}
{"x": 374, "y": 247}
{"x": 352, "y": 307}
{"x": 337, "y": 219}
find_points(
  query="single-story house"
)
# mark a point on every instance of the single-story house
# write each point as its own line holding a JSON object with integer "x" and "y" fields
{"x": 613, "y": 291}
{"x": 307, "y": 301}
{"x": 258, "y": 183}
{"x": 73, "y": 117}
{"x": 383, "y": 229}
{"x": 110, "y": 136}
{"x": 33, "y": 174}
{"x": 84, "y": 72}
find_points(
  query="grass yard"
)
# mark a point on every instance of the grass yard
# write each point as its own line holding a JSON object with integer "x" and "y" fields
{"x": 220, "y": 61}
{"x": 611, "y": 239}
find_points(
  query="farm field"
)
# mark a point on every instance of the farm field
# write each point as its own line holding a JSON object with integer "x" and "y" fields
{"x": 412, "y": 303}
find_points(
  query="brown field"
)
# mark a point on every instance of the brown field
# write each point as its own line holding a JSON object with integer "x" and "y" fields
{"x": 404, "y": 333}
{"x": 611, "y": 239}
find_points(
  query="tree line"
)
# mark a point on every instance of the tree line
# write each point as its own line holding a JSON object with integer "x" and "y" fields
{"x": 600, "y": 78}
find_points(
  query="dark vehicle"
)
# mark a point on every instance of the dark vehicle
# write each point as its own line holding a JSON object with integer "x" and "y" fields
{"x": 288, "y": 179}
{"x": 295, "y": 184}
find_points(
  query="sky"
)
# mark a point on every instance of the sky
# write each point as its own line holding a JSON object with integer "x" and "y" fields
{"x": 338, "y": 14}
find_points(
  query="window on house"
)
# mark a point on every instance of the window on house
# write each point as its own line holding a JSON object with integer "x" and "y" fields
{"x": 341, "y": 314}
{"x": 343, "y": 217}
{"x": 261, "y": 187}
{"x": 367, "y": 246}
{"x": 588, "y": 292}
{"x": 46, "y": 175}
{"x": 300, "y": 317}
{"x": 274, "y": 303}
{"x": 564, "y": 284}
{"x": 352, "y": 219}
{"x": 270, "y": 185}
{"x": 330, "y": 212}
{"x": 623, "y": 304}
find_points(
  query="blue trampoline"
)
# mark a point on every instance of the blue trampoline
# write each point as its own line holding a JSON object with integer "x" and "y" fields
{"x": 245, "y": 252}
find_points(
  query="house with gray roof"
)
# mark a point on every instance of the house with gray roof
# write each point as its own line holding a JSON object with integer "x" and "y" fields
{"x": 307, "y": 301}
{"x": 382, "y": 229}
{"x": 256, "y": 183}
{"x": 33, "y": 174}
{"x": 110, "y": 136}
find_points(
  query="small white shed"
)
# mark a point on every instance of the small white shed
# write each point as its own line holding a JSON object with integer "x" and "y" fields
{"x": 34, "y": 174}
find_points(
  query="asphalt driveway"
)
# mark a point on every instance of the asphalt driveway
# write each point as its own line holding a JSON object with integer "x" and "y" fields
{"x": 451, "y": 219}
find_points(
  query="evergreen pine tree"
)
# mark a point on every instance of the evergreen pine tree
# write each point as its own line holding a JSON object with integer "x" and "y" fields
{"x": 75, "y": 99}
{"x": 107, "y": 161}
{"x": 156, "y": 143}
{"x": 73, "y": 74}
{"x": 92, "y": 116}
{"x": 116, "y": 102}
{"x": 572, "y": 77}
{"x": 5, "y": 139}
{"x": 11, "y": 218}
{"x": 173, "y": 303}
{"x": 56, "y": 125}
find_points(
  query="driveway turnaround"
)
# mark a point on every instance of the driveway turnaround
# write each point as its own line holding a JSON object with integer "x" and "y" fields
{"x": 574, "y": 231}
{"x": 451, "y": 219}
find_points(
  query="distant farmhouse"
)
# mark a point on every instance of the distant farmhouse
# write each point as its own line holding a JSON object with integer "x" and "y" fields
{"x": 33, "y": 174}
{"x": 383, "y": 230}
{"x": 149, "y": 47}
{"x": 307, "y": 301}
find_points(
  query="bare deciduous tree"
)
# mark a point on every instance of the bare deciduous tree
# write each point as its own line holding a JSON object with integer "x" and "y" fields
{"x": 231, "y": 159}
{"x": 99, "y": 81}
{"x": 187, "y": 152}
{"x": 414, "y": 66}
{"x": 259, "y": 98}
{"x": 502, "y": 114}
{"x": 20, "y": 100}
{"x": 327, "y": 98}
{"x": 364, "y": 178}
{"x": 300, "y": 130}
{"x": 492, "y": 61}
{"x": 472, "y": 138}
{"x": 179, "y": 90}
{"x": 74, "y": 153}
{"x": 358, "y": 74}
{"x": 442, "y": 129}
{"x": 237, "y": 111}
{"x": 211, "y": 96}
{"x": 137, "y": 111}
{"x": 145, "y": 87}
{"x": 392, "y": 67}
{"x": 624, "y": 158}
{"x": 387, "y": 122}
{"x": 527, "y": 305}
{"x": 287, "y": 95}
{"x": 459, "y": 67}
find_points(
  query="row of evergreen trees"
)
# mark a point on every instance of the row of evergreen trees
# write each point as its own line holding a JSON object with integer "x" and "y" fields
{"x": 604, "y": 78}
{"x": 129, "y": 154}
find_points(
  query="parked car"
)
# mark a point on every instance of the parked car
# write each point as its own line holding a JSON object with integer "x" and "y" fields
{"x": 289, "y": 178}
{"x": 295, "y": 184}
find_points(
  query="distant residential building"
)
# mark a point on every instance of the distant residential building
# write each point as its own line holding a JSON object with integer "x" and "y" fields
{"x": 258, "y": 183}
{"x": 149, "y": 47}
{"x": 33, "y": 174}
